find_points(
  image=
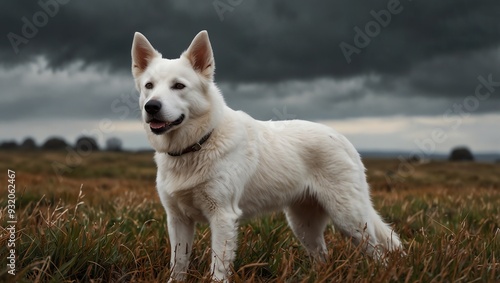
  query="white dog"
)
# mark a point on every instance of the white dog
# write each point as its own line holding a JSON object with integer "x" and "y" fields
{"x": 218, "y": 165}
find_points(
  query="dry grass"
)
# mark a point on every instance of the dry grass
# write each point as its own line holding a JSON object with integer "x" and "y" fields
{"x": 103, "y": 223}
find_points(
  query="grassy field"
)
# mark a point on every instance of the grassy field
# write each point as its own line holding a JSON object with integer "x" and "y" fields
{"x": 100, "y": 220}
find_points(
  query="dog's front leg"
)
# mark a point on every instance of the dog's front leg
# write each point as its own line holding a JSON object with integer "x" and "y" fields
{"x": 223, "y": 225}
{"x": 181, "y": 234}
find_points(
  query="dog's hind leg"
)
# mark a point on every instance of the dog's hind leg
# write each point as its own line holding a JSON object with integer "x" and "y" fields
{"x": 308, "y": 220}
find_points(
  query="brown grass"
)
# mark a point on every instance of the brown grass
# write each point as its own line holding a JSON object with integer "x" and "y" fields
{"x": 102, "y": 222}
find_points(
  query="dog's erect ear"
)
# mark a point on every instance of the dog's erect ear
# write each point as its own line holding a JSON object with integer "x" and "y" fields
{"x": 142, "y": 54}
{"x": 200, "y": 55}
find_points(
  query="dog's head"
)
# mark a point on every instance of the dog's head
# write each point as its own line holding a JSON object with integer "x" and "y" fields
{"x": 172, "y": 91}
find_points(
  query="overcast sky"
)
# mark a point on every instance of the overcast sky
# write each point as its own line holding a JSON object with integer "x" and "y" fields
{"x": 388, "y": 74}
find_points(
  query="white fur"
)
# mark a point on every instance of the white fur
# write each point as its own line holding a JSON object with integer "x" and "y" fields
{"x": 247, "y": 166}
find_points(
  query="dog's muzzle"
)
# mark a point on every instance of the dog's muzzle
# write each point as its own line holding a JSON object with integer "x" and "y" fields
{"x": 158, "y": 125}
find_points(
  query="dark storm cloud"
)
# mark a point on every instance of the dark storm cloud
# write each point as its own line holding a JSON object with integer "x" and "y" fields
{"x": 258, "y": 41}
{"x": 273, "y": 58}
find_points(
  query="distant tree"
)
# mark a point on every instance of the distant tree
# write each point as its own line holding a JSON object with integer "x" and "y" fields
{"x": 461, "y": 154}
{"x": 54, "y": 143}
{"x": 113, "y": 144}
{"x": 8, "y": 145}
{"x": 28, "y": 144}
{"x": 86, "y": 144}
{"x": 414, "y": 159}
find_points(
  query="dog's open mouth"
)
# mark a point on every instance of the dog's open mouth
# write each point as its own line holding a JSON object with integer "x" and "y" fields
{"x": 159, "y": 127}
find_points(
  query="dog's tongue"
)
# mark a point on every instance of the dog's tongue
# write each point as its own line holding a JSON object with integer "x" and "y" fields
{"x": 157, "y": 125}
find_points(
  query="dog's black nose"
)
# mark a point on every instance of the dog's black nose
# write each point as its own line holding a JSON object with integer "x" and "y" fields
{"x": 152, "y": 107}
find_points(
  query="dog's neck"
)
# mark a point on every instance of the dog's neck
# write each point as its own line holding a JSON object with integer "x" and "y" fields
{"x": 192, "y": 148}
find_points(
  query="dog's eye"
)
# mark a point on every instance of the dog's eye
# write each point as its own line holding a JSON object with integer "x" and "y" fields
{"x": 178, "y": 86}
{"x": 149, "y": 85}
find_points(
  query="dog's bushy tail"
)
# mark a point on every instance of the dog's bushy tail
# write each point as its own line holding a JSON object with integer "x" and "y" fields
{"x": 386, "y": 237}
